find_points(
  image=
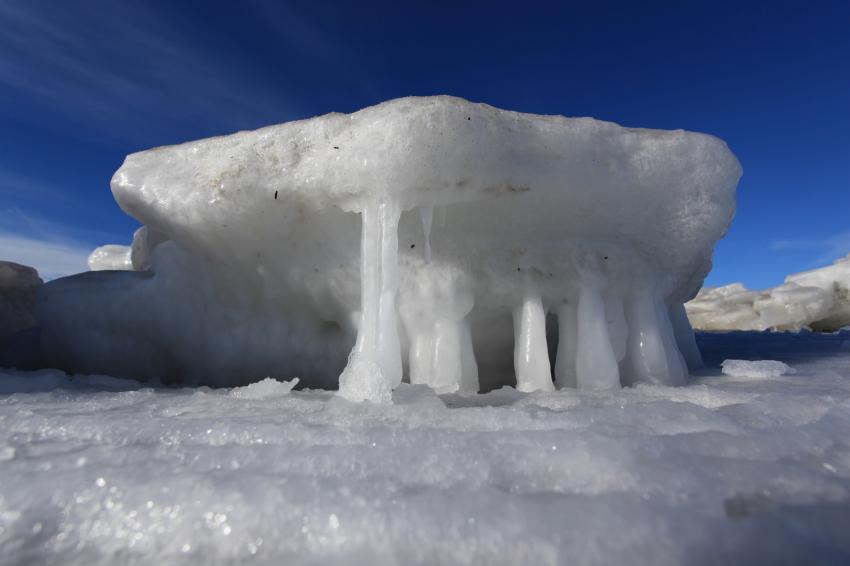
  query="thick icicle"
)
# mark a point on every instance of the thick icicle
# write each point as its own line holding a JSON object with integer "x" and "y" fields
{"x": 596, "y": 362}
{"x": 441, "y": 354}
{"x": 652, "y": 355}
{"x": 685, "y": 336}
{"x": 565, "y": 362}
{"x": 531, "y": 356}
{"x": 374, "y": 365}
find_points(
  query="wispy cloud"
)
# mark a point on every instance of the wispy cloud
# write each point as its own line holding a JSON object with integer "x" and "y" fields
{"x": 54, "y": 249}
{"x": 51, "y": 258}
{"x": 825, "y": 249}
{"x": 122, "y": 68}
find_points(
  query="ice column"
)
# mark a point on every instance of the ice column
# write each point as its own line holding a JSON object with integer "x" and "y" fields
{"x": 685, "y": 336}
{"x": 652, "y": 355}
{"x": 441, "y": 354}
{"x": 596, "y": 361}
{"x": 531, "y": 357}
{"x": 374, "y": 365}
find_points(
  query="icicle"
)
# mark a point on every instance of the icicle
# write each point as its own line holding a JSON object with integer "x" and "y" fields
{"x": 685, "y": 336}
{"x": 374, "y": 365}
{"x": 652, "y": 355}
{"x": 596, "y": 362}
{"x": 426, "y": 214}
{"x": 531, "y": 356}
{"x": 565, "y": 362}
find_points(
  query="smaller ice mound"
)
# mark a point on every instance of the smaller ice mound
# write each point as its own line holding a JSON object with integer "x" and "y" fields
{"x": 18, "y": 287}
{"x": 755, "y": 369}
{"x": 817, "y": 300}
{"x": 110, "y": 257}
{"x": 268, "y": 388}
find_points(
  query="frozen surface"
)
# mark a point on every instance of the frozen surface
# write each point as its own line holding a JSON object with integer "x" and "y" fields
{"x": 724, "y": 470}
{"x": 428, "y": 237}
{"x": 817, "y": 299}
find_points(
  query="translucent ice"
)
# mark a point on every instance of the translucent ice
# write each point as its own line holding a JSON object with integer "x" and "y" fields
{"x": 429, "y": 237}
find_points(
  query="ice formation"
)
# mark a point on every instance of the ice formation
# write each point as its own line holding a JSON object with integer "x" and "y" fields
{"x": 431, "y": 238}
{"x": 817, "y": 299}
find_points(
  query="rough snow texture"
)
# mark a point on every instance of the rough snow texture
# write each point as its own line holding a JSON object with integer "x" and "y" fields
{"x": 817, "y": 299}
{"x": 754, "y": 368}
{"x": 429, "y": 237}
{"x": 723, "y": 471}
{"x": 18, "y": 287}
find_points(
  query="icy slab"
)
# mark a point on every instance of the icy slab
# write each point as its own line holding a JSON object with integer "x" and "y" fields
{"x": 817, "y": 299}
{"x": 18, "y": 287}
{"x": 723, "y": 471}
{"x": 755, "y": 369}
{"x": 429, "y": 238}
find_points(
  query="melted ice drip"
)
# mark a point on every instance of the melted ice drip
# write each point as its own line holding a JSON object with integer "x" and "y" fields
{"x": 426, "y": 213}
{"x": 374, "y": 365}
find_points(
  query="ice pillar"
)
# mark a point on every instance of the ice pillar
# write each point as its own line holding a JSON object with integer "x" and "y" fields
{"x": 685, "y": 338}
{"x": 652, "y": 355}
{"x": 374, "y": 365}
{"x": 531, "y": 356}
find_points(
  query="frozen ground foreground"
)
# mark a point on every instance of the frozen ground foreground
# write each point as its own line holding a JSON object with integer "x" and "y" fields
{"x": 746, "y": 470}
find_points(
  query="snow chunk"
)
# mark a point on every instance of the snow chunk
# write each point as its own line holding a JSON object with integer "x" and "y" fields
{"x": 429, "y": 229}
{"x": 268, "y": 388}
{"x": 111, "y": 257}
{"x": 755, "y": 369}
{"x": 817, "y": 299}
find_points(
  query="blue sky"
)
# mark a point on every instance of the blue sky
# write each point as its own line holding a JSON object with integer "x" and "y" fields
{"x": 83, "y": 83}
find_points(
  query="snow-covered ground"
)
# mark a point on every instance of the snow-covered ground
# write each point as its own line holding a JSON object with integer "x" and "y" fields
{"x": 741, "y": 469}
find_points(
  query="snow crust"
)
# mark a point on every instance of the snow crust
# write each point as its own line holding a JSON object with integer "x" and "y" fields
{"x": 724, "y": 470}
{"x": 818, "y": 299}
{"x": 430, "y": 238}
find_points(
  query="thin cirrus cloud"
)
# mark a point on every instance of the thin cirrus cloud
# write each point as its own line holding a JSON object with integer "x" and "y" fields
{"x": 52, "y": 258}
{"x": 114, "y": 66}
{"x": 823, "y": 249}
{"x": 55, "y": 250}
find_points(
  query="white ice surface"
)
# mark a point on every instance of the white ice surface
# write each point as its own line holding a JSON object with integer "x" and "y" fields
{"x": 817, "y": 299}
{"x": 723, "y": 470}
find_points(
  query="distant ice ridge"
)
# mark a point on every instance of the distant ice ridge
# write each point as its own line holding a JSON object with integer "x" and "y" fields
{"x": 817, "y": 299}
{"x": 431, "y": 239}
